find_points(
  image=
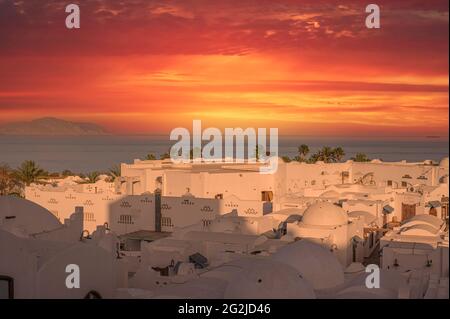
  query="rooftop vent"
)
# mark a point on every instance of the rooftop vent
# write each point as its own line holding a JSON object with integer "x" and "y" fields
{"x": 198, "y": 260}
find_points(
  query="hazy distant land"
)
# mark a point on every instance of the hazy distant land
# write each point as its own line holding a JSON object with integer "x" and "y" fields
{"x": 49, "y": 126}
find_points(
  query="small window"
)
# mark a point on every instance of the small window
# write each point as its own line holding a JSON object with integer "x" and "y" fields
{"x": 125, "y": 219}
{"x": 389, "y": 183}
{"x": 166, "y": 222}
{"x": 404, "y": 184}
{"x": 266, "y": 196}
{"x": 89, "y": 217}
{"x": 206, "y": 222}
{"x": 219, "y": 196}
{"x": 6, "y": 287}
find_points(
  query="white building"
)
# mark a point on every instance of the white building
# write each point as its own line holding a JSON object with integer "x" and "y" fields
{"x": 231, "y": 257}
{"x": 418, "y": 243}
{"x": 199, "y": 192}
{"x": 35, "y": 250}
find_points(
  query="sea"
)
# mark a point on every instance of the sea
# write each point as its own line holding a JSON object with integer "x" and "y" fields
{"x": 100, "y": 153}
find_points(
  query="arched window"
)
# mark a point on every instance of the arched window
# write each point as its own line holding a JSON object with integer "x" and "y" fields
{"x": 6, "y": 287}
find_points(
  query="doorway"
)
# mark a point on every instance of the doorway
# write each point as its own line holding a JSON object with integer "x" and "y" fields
{"x": 408, "y": 211}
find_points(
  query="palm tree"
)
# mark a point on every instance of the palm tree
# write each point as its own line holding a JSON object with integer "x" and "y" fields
{"x": 150, "y": 157}
{"x": 327, "y": 155}
{"x": 259, "y": 151}
{"x": 114, "y": 172}
{"x": 28, "y": 172}
{"x": 8, "y": 184}
{"x": 92, "y": 177}
{"x": 338, "y": 154}
{"x": 312, "y": 159}
{"x": 303, "y": 150}
{"x": 360, "y": 157}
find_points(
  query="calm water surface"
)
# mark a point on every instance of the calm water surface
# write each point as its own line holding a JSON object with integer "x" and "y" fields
{"x": 84, "y": 154}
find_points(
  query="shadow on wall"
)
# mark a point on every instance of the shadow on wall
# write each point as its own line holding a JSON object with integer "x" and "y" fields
{"x": 132, "y": 213}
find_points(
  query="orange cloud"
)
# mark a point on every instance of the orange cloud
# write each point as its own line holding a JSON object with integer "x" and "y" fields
{"x": 305, "y": 67}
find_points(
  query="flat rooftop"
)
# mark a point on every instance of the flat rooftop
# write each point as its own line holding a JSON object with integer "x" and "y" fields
{"x": 146, "y": 235}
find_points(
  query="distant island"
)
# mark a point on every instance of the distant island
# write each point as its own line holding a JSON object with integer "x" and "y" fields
{"x": 53, "y": 127}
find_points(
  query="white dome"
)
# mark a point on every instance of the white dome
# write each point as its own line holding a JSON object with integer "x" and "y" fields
{"x": 367, "y": 217}
{"x": 419, "y": 230}
{"x": 316, "y": 264}
{"x": 391, "y": 282}
{"x": 268, "y": 279}
{"x": 354, "y": 268}
{"x": 361, "y": 292}
{"x": 423, "y": 219}
{"x": 324, "y": 214}
{"x": 25, "y": 215}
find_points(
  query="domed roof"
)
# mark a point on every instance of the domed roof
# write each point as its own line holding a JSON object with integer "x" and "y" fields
{"x": 391, "y": 282}
{"x": 354, "y": 268}
{"x": 423, "y": 219}
{"x": 361, "y": 292}
{"x": 315, "y": 263}
{"x": 419, "y": 230}
{"x": 26, "y": 215}
{"x": 368, "y": 217}
{"x": 324, "y": 214}
{"x": 444, "y": 162}
{"x": 268, "y": 279}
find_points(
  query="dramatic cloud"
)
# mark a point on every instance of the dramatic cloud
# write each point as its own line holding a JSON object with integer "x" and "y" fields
{"x": 303, "y": 66}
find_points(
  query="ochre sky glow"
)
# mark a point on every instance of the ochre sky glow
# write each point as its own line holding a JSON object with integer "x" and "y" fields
{"x": 305, "y": 67}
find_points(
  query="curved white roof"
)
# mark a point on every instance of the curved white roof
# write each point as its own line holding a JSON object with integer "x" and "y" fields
{"x": 268, "y": 279}
{"x": 419, "y": 230}
{"x": 354, "y": 268}
{"x": 288, "y": 215}
{"x": 390, "y": 283}
{"x": 324, "y": 214}
{"x": 361, "y": 292}
{"x": 26, "y": 215}
{"x": 423, "y": 219}
{"x": 368, "y": 217}
{"x": 316, "y": 264}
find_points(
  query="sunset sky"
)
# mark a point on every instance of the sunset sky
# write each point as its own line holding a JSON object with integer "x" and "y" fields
{"x": 305, "y": 67}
